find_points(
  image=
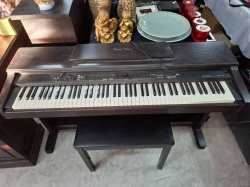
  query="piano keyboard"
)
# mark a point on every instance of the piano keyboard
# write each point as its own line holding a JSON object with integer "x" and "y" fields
{"x": 175, "y": 93}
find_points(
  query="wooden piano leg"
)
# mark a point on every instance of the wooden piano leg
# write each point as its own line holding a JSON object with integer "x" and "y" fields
{"x": 199, "y": 119}
{"x": 51, "y": 140}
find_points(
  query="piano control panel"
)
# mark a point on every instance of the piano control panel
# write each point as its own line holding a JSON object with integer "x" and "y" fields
{"x": 138, "y": 75}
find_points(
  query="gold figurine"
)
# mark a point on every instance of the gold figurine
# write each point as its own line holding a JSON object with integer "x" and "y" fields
{"x": 127, "y": 26}
{"x": 105, "y": 27}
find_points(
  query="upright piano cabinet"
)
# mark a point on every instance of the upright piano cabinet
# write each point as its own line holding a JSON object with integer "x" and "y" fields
{"x": 20, "y": 141}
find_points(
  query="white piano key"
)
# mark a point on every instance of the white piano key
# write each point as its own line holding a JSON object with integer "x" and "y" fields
{"x": 158, "y": 97}
{"x": 77, "y": 102}
{"x": 17, "y": 101}
{"x": 123, "y": 98}
{"x": 168, "y": 100}
{"x": 211, "y": 98}
{"x": 180, "y": 96}
{"x": 92, "y": 100}
{"x": 146, "y": 97}
{"x": 23, "y": 100}
{"x": 36, "y": 102}
{"x": 229, "y": 98}
{"x": 51, "y": 102}
{"x": 120, "y": 99}
{"x": 198, "y": 97}
{"x": 129, "y": 97}
{"x": 83, "y": 100}
{"x": 133, "y": 103}
{"x": 138, "y": 98}
{"x": 112, "y": 100}
{"x": 116, "y": 99}
{"x": 151, "y": 98}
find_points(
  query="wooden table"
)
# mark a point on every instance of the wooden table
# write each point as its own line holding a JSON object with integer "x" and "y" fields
{"x": 67, "y": 22}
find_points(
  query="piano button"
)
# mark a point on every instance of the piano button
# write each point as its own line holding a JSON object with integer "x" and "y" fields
{"x": 98, "y": 91}
{"x": 119, "y": 90}
{"x": 216, "y": 87}
{"x": 175, "y": 89}
{"x": 187, "y": 88}
{"x": 146, "y": 88}
{"x": 153, "y": 89}
{"x": 86, "y": 91}
{"x": 126, "y": 90}
{"x": 163, "y": 89}
{"x": 62, "y": 92}
{"x": 182, "y": 89}
{"x": 74, "y": 92}
{"x": 130, "y": 90}
{"x": 22, "y": 93}
{"x": 135, "y": 90}
{"x": 103, "y": 90}
{"x": 158, "y": 89}
{"x": 211, "y": 87}
{"x": 46, "y": 92}
{"x": 107, "y": 91}
{"x": 220, "y": 86}
{"x": 142, "y": 90}
{"x": 170, "y": 88}
{"x": 50, "y": 92}
{"x": 79, "y": 92}
{"x": 114, "y": 90}
{"x": 29, "y": 93}
{"x": 70, "y": 92}
{"x": 58, "y": 92}
{"x": 191, "y": 87}
{"x": 91, "y": 91}
{"x": 204, "y": 87}
{"x": 41, "y": 93}
{"x": 34, "y": 93}
{"x": 199, "y": 88}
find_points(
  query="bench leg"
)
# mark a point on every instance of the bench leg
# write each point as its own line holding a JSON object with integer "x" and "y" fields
{"x": 164, "y": 155}
{"x": 86, "y": 158}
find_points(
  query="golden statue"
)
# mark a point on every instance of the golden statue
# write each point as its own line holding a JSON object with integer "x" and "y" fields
{"x": 127, "y": 26}
{"x": 105, "y": 27}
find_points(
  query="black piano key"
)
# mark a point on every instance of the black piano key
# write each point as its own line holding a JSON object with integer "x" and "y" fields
{"x": 175, "y": 89}
{"x": 192, "y": 88}
{"x": 103, "y": 90}
{"x": 146, "y": 87}
{"x": 34, "y": 93}
{"x": 50, "y": 92}
{"x": 187, "y": 88}
{"x": 58, "y": 92}
{"x": 107, "y": 91}
{"x": 91, "y": 91}
{"x": 86, "y": 92}
{"x": 70, "y": 91}
{"x": 114, "y": 90}
{"x": 142, "y": 90}
{"x": 126, "y": 90}
{"x": 163, "y": 89}
{"x": 211, "y": 87}
{"x": 74, "y": 92}
{"x": 46, "y": 92}
{"x": 135, "y": 91}
{"x": 158, "y": 89}
{"x": 170, "y": 88}
{"x": 182, "y": 89}
{"x": 41, "y": 93}
{"x": 29, "y": 92}
{"x": 79, "y": 92}
{"x": 62, "y": 92}
{"x": 204, "y": 87}
{"x": 216, "y": 87}
{"x": 119, "y": 90}
{"x": 22, "y": 93}
{"x": 153, "y": 89}
{"x": 98, "y": 91}
{"x": 220, "y": 86}
{"x": 130, "y": 90}
{"x": 199, "y": 88}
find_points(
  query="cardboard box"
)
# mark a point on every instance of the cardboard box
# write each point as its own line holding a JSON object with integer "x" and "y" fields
{"x": 9, "y": 27}
{"x": 212, "y": 22}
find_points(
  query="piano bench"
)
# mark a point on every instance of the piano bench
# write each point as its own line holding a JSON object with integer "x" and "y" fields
{"x": 123, "y": 132}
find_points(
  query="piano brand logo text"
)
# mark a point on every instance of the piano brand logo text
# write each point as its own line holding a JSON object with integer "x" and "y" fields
{"x": 122, "y": 49}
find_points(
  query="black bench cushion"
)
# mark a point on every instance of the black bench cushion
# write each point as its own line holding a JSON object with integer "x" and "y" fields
{"x": 111, "y": 131}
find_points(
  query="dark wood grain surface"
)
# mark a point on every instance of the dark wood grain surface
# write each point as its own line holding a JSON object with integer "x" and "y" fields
{"x": 28, "y": 9}
{"x": 186, "y": 55}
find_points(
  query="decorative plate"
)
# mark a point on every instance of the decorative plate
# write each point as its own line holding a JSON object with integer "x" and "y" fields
{"x": 164, "y": 24}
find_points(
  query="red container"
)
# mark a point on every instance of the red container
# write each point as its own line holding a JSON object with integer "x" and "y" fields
{"x": 201, "y": 32}
{"x": 186, "y": 3}
{"x": 198, "y": 21}
{"x": 190, "y": 8}
{"x": 192, "y": 15}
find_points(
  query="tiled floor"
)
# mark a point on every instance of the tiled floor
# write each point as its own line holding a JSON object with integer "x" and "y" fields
{"x": 220, "y": 164}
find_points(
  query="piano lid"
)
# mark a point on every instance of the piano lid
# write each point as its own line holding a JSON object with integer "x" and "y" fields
{"x": 186, "y": 55}
{"x": 121, "y": 51}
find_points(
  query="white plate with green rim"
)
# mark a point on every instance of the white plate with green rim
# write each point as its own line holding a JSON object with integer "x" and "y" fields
{"x": 164, "y": 24}
{"x": 156, "y": 39}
